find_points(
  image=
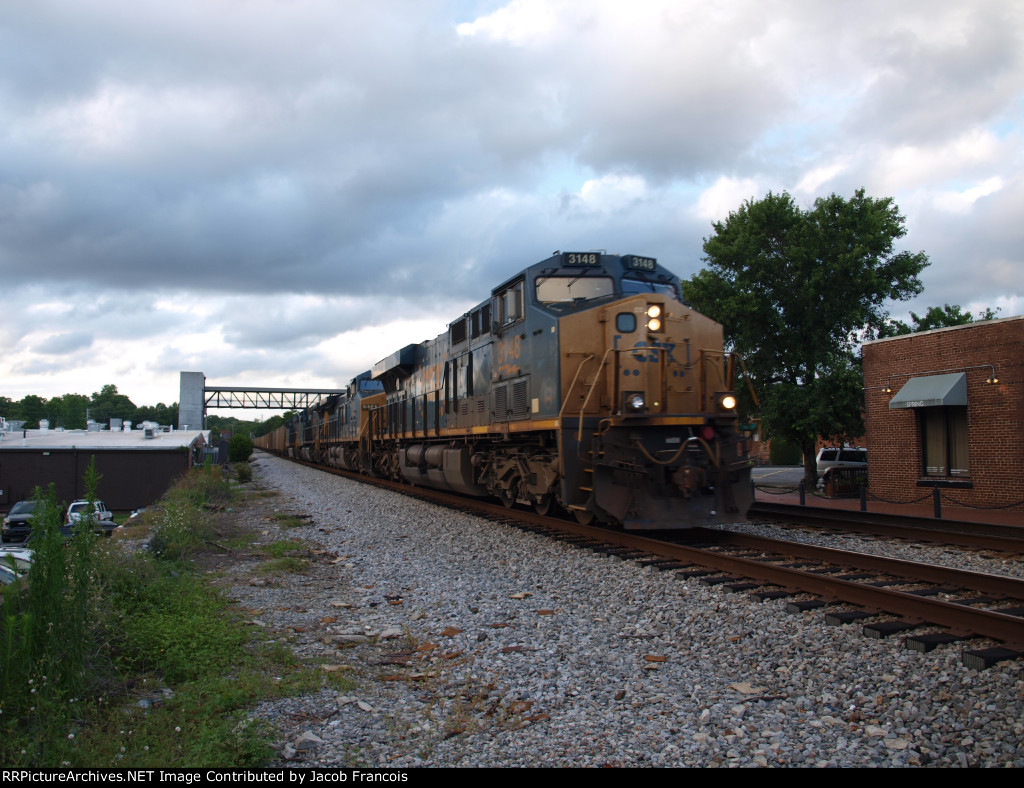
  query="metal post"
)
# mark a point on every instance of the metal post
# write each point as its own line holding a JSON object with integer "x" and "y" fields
{"x": 937, "y": 502}
{"x": 803, "y": 499}
{"x": 863, "y": 498}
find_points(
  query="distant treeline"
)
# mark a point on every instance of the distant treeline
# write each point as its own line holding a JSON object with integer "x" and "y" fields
{"x": 70, "y": 411}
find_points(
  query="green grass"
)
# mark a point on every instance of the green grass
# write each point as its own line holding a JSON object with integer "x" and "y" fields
{"x": 281, "y": 548}
{"x": 135, "y": 660}
{"x": 283, "y": 566}
{"x": 289, "y": 520}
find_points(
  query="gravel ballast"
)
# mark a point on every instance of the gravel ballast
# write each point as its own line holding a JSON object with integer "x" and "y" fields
{"x": 473, "y": 644}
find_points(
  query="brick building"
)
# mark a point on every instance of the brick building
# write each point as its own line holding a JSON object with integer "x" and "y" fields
{"x": 945, "y": 409}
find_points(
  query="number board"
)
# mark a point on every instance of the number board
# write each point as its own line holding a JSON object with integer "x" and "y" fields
{"x": 640, "y": 263}
{"x": 581, "y": 258}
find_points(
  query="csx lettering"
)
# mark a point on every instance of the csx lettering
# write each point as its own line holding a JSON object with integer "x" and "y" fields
{"x": 668, "y": 347}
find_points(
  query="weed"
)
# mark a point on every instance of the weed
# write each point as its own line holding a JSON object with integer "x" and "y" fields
{"x": 290, "y": 520}
{"x": 98, "y": 632}
{"x": 262, "y": 493}
{"x": 243, "y": 472}
{"x": 279, "y": 549}
{"x": 283, "y": 566}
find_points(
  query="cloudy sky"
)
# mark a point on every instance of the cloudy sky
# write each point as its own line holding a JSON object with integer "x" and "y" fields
{"x": 280, "y": 192}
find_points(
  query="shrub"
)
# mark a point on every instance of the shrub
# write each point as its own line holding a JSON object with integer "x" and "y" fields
{"x": 243, "y": 472}
{"x": 239, "y": 448}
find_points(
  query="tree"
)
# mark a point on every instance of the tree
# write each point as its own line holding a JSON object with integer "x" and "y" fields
{"x": 108, "y": 404}
{"x": 30, "y": 409}
{"x": 794, "y": 289}
{"x": 936, "y": 317}
{"x": 239, "y": 448}
{"x": 67, "y": 411}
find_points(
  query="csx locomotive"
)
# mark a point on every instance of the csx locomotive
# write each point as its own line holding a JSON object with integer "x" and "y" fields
{"x": 584, "y": 382}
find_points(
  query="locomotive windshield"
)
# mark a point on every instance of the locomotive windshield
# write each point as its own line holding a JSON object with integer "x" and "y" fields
{"x": 559, "y": 289}
{"x": 633, "y": 286}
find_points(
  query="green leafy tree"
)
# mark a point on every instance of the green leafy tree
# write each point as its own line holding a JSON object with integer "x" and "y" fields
{"x": 30, "y": 409}
{"x": 109, "y": 404}
{"x": 273, "y": 423}
{"x": 936, "y": 317}
{"x": 67, "y": 411}
{"x": 794, "y": 289}
{"x": 160, "y": 413}
{"x": 239, "y": 448}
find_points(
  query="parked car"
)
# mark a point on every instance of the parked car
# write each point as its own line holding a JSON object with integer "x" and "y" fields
{"x": 841, "y": 457}
{"x": 17, "y": 524}
{"x": 17, "y": 558}
{"x": 7, "y": 575}
{"x": 78, "y": 508}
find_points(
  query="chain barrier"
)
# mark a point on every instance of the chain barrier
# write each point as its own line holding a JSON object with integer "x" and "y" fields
{"x": 782, "y": 491}
{"x": 936, "y": 495}
{"x": 955, "y": 502}
{"x": 874, "y": 497}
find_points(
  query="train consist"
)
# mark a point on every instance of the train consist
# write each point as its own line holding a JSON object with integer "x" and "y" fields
{"x": 584, "y": 382}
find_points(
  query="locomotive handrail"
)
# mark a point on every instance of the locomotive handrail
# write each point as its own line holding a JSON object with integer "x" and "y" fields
{"x": 586, "y": 400}
{"x": 561, "y": 411}
{"x": 662, "y": 352}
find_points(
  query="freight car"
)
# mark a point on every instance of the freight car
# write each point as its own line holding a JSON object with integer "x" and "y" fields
{"x": 584, "y": 382}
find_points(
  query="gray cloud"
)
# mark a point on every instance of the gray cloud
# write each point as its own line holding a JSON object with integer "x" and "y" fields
{"x": 326, "y": 166}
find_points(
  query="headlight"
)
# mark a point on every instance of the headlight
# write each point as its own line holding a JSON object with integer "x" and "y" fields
{"x": 726, "y": 402}
{"x": 634, "y": 402}
{"x": 653, "y": 317}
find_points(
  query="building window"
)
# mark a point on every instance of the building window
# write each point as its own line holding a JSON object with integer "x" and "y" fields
{"x": 944, "y": 430}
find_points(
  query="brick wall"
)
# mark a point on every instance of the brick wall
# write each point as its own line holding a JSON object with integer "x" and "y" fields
{"x": 995, "y": 412}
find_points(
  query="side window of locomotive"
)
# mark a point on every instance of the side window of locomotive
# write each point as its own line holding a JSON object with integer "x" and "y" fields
{"x": 625, "y": 322}
{"x": 555, "y": 289}
{"x": 458, "y": 331}
{"x": 480, "y": 321}
{"x": 509, "y": 304}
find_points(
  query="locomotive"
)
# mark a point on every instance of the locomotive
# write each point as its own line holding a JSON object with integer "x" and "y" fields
{"x": 584, "y": 382}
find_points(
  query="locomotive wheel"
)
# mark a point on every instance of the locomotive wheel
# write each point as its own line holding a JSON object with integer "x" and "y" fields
{"x": 508, "y": 497}
{"x": 583, "y": 516}
{"x": 543, "y": 506}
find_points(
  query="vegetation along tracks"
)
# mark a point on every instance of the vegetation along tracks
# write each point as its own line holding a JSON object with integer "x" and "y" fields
{"x": 966, "y": 604}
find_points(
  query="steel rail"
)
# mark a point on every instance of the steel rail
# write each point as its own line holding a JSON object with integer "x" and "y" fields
{"x": 960, "y": 618}
{"x": 991, "y": 536}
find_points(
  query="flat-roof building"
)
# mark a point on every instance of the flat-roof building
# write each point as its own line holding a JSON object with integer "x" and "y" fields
{"x": 137, "y": 466}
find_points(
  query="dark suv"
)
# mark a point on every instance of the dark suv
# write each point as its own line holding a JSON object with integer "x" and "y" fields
{"x": 17, "y": 523}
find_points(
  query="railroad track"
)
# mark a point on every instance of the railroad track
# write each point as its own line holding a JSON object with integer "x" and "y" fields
{"x": 889, "y": 596}
{"x": 984, "y": 536}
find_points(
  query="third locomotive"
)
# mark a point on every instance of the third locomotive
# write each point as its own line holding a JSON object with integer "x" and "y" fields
{"x": 584, "y": 382}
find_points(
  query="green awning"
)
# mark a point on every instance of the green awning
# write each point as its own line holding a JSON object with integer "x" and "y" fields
{"x": 932, "y": 390}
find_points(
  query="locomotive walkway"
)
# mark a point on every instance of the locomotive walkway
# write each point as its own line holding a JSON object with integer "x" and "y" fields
{"x": 783, "y": 491}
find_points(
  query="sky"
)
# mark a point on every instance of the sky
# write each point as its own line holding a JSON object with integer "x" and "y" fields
{"x": 282, "y": 192}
